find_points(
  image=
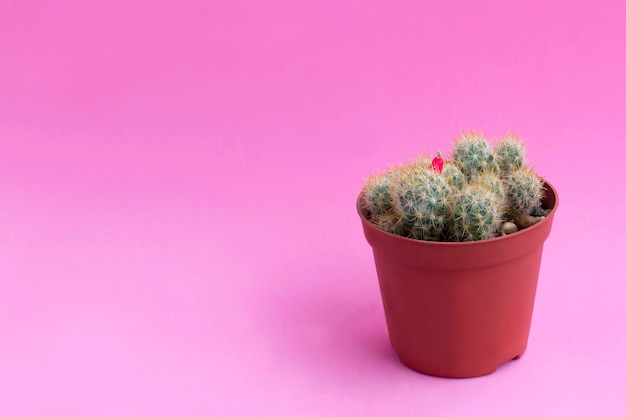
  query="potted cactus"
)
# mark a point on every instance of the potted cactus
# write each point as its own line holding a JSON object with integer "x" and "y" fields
{"x": 457, "y": 245}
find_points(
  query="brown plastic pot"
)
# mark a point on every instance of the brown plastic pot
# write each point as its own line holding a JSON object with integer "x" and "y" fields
{"x": 459, "y": 309}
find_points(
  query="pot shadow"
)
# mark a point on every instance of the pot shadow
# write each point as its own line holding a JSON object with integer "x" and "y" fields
{"x": 330, "y": 323}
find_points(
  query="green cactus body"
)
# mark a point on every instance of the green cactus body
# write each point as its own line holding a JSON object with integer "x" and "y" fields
{"x": 510, "y": 154}
{"x": 389, "y": 222}
{"x": 491, "y": 182}
{"x": 453, "y": 175}
{"x": 421, "y": 201}
{"x": 477, "y": 214}
{"x": 377, "y": 196}
{"x": 466, "y": 198}
{"x": 473, "y": 155}
{"x": 524, "y": 191}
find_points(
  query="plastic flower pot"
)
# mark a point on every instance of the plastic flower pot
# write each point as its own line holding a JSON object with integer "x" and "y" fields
{"x": 459, "y": 309}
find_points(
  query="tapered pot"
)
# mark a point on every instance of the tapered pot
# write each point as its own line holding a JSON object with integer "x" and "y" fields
{"x": 459, "y": 309}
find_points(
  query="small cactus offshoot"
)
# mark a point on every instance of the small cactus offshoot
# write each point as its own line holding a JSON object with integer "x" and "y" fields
{"x": 524, "y": 191}
{"x": 420, "y": 200}
{"x": 491, "y": 181}
{"x": 477, "y": 214}
{"x": 510, "y": 154}
{"x": 377, "y": 194}
{"x": 477, "y": 194}
{"x": 453, "y": 175}
{"x": 473, "y": 155}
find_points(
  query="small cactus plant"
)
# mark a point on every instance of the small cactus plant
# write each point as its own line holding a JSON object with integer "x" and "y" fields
{"x": 468, "y": 197}
{"x": 492, "y": 182}
{"x": 453, "y": 175}
{"x": 477, "y": 214}
{"x": 473, "y": 155}
{"x": 377, "y": 194}
{"x": 389, "y": 222}
{"x": 510, "y": 154}
{"x": 524, "y": 191}
{"x": 420, "y": 200}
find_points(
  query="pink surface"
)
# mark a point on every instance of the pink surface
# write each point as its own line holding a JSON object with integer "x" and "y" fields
{"x": 178, "y": 234}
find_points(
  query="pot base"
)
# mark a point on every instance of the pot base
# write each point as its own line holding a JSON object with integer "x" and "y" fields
{"x": 474, "y": 373}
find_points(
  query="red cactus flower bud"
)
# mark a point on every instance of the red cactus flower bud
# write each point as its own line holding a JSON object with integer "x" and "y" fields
{"x": 437, "y": 164}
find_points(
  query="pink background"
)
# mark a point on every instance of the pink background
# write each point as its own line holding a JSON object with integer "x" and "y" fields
{"x": 178, "y": 234}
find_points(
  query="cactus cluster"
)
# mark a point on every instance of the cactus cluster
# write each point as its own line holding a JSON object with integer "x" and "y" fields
{"x": 477, "y": 190}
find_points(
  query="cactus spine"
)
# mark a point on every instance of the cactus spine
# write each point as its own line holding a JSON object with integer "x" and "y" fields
{"x": 473, "y": 155}
{"x": 421, "y": 202}
{"x": 524, "y": 191}
{"x": 477, "y": 214}
{"x": 491, "y": 182}
{"x": 510, "y": 154}
{"x": 453, "y": 175}
{"x": 389, "y": 222}
{"x": 377, "y": 196}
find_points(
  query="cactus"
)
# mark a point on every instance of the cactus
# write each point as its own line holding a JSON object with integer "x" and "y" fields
{"x": 377, "y": 197}
{"x": 473, "y": 155}
{"x": 463, "y": 199}
{"x": 453, "y": 175}
{"x": 421, "y": 202}
{"x": 510, "y": 154}
{"x": 477, "y": 214}
{"x": 492, "y": 182}
{"x": 389, "y": 222}
{"x": 524, "y": 191}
